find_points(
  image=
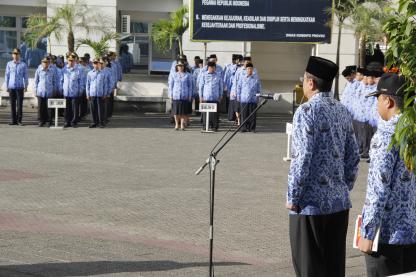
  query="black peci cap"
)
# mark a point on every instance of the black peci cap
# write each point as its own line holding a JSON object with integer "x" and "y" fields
{"x": 249, "y": 65}
{"x": 361, "y": 70}
{"x": 212, "y": 64}
{"x": 246, "y": 58}
{"x": 347, "y": 72}
{"x": 390, "y": 84}
{"x": 322, "y": 68}
{"x": 353, "y": 68}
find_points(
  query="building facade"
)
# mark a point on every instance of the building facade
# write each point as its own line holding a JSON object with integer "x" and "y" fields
{"x": 279, "y": 64}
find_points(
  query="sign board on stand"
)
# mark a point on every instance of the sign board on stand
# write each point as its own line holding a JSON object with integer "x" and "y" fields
{"x": 207, "y": 108}
{"x": 289, "y": 128}
{"x": 56, "y": 103}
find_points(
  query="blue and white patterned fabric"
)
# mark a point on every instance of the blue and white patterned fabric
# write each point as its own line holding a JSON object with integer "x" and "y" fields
{"x": 247, "y": 89}
{"x": 109, "y": 80}
{"x": 371, "y": 113}
{"x": 348, "y": 95}
{"x": 324, "y": 157}
{"x": 195, "y": 74}
{"x": 218, "y": 69}
{"x": 359, "y": 106}
{"x": 229, "y": 77}
{"x": 241, "y": 71}
{"x": 211, "y": 86}
{"x": 84, "y": 73}
{"x": 391, "y": 192}
{"x": 44, "y": 82}
{"x": 16, "y": 75}
{"x": 181, "y": 86}
{"x": 95, "y": 86}
{"x": 71, "y": 83}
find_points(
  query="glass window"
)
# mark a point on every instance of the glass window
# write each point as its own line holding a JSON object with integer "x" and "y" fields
{"x": 24, "y": 21}
{"x": 8, "y": 41}
{"x": 8, "y": 21}
{"x": 137, "y": 27}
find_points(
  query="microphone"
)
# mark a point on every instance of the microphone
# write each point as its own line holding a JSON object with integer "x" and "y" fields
{"x": 276, "y": 97}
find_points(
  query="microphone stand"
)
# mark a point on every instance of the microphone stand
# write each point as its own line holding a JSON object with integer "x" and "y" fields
{"x": 212, "y": 162}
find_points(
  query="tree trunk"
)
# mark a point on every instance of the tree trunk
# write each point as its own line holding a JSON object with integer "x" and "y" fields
{"x": 363, "y": 44}
{"x": 71, "y": 41}
{"x": 336, "y": 92}
{"x": 180, "y": 45}
{"x": 49, "y": 45}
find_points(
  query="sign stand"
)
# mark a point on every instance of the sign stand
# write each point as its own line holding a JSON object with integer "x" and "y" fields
{"x": 56, "y": 104}
{"x": 207, "y": 108}
{"x": 289, "y": 128}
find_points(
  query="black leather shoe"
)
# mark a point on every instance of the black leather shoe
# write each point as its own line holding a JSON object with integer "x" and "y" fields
{"x": 12, "y": 123}
{"x": 93, "y": 126}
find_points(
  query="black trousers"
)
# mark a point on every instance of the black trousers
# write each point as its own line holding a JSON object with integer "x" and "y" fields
{"x": 227, "y": 102}
{"x": 368, "y": 132}
{"x": 231, "y": 110}
{"x": 197, "y": 105}
{"x": 97, "y": 109}
{"x": 110, "y": 105}
{"x": 246, "y": 110}
{"x": 318, "y": 244}
{"x": 16, "y": 105}
{"x": 213, "y": 117}
{"x": 83, "y": 105}
{"x": 71, "y": 110}
{"x": 44, "y": 114}
{"x": 391, "y": 260}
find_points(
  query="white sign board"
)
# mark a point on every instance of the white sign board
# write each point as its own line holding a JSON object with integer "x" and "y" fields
{"x": 289, "y": 128}
{"x": 207, "y": 107}
{"x": 54, "y": 103}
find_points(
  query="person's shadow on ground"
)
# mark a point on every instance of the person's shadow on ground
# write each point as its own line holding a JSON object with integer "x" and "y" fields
{"x": 99, "y": 267}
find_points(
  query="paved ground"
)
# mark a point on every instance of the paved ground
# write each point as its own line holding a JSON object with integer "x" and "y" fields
{"x": 124, "y": 201}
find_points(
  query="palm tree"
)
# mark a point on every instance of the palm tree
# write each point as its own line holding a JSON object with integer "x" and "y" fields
{"x": 100, "y": 47}
{"x": 39, "y": 27}
{"x": 68, "y": 18}
{"x": 367, "y": 23}
{"x": 165, "y": 32}
{"x": 342, "y": 10}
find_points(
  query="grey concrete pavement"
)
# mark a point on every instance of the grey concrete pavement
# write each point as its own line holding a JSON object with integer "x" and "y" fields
{"x": 124, "y": 201}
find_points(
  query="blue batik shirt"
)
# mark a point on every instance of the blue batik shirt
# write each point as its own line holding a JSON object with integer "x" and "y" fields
{"x": 371, "y": 113}
{"x": 211, "y": 86}
{"x": 95, "y": 86}
{"x": 359, "y": 103}
{"x": 247, "y": 89}
{"x": 181, "y": 86}
{"x": 44, "y": 82}
{"x": 229, "y": 77}
{"x": 240, "y": 72}
{"x": 195, "y": 75}
{"x": 324, "y": 157}
{"x": 391, "y": 192}
{"x": 16, "y": 75}
{"x": 349, "y": 94}
{"x": 71, "y": 83}
{"x": 109, "y": 80}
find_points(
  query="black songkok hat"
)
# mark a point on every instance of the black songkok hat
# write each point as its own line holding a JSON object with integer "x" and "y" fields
{"x": 347, "y": 72}
{"x": 212, "y": 64}
{"x": 247, "y": 59}
{"x": 322, "y": 68}
{"x": 361, "y": 70}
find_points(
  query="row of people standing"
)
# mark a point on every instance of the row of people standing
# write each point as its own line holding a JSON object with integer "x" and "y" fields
{"x": 76, "y": 80}
{"x": 237, "y": 83}
{"x": 361, "y": 82}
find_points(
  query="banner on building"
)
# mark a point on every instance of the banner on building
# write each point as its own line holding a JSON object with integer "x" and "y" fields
{"x": 303, "y": 21}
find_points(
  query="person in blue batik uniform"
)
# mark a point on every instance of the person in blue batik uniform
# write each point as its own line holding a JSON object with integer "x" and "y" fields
{"x": 322, "y": 173}
{"x": 181, "y": 91}
{"x": 390, "y": 204}
{"x": 110, "y": 83}
{"x": 199, "y": 63}
{"x": 355, "y": 105}
{"x": 16, "y": 79}
{"x": 228, "y": 83}
{"x": 71, "y": 84}
{"x": 247, "y": 89}
{"x": 348, "y": 94}
{"x": 96, "y": 91}
{"x": 211, "y": 87}
{"x": 44, "y": 87}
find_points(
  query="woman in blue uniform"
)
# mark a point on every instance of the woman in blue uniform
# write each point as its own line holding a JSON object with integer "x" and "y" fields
{"x": 181, "y": 91}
